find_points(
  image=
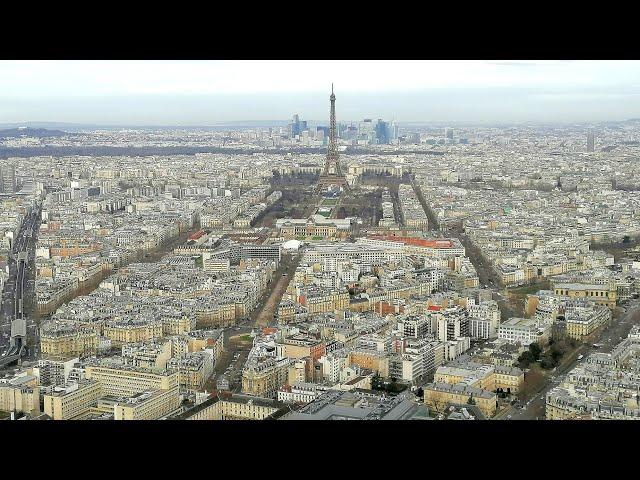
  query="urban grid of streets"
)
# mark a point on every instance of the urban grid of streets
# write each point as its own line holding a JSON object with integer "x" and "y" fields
{"x": 98, "y": 189}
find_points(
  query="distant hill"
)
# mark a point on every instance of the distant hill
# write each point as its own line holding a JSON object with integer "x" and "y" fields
{"x": 30, "y": 132}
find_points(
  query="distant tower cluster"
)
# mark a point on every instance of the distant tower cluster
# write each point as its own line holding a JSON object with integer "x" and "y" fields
{"x": 297, "y": 126}
{"x": 590, "y": 142}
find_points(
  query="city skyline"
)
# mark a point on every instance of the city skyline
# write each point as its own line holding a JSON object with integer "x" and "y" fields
{"x": 355, "y": 271}
{"x": 207, "y": 93}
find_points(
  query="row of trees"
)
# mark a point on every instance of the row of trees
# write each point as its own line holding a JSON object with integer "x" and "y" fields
{"x": 549, "y": 358}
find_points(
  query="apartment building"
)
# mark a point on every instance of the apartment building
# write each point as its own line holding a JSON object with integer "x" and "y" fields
{"x": 68, "y": 340}
{"x": 583, "y": 321}
{"x": 128, "y": 330}
{"x": 524, "y": 331}
{"x": 125, "y": 381}
{"x": 194, "y": 369}
{"x": 20, "y": 394}
{"x": 264, "y": 378}
{"x": 65, "y": 403}
{"x": 149, "y": 405}
{"x": 235, "y": 407}
{"x": 439, "y": 396}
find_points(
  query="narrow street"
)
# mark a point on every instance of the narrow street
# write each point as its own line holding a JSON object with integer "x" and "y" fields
{"x": 263, "y": 314}
{"x": 433, "y": 222}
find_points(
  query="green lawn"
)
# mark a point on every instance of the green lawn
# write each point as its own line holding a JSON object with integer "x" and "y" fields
{"x": 527, "y": 289}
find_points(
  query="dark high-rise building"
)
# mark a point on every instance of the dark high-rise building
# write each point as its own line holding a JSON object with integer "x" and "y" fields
{"x": 448, "y": 133}
{"x": 590, "y": 142}
{"x": 7, "y": 179}
{"x": 325, "y": 130}
{"x": 383, "y": 135}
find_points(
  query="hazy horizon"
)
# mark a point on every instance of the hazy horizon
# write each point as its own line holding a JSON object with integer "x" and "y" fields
{"x": 210, "y": 93}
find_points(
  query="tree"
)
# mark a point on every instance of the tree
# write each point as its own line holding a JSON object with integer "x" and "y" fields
{"x": 548, "y": 361}
{"x": 535, "y": 350}
{"x": 376, "y": 382}
{"x": 471, "y": 401}
{"x": 626, "y": 239}
{"x": 525, "y": 359}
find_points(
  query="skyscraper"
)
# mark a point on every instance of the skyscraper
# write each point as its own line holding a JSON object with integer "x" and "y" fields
{"x": 393, "y": 131}
{"x": 448, "y": 133}
{"x": 590, "y": 142}
{"x": 382, "y": 132}
{"x": 8, "y": 179}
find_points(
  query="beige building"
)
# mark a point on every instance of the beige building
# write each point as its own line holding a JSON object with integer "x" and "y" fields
{"x": 147, "y": 355}
{"x": 125, "y": 331}
{"x": 206, "y": 339}
{"x": 378, "y": 362}
{"x": 325, "y": 301}
{"x": 438, "y": 396}
{"x": 66, "y": 343}
{"x": 220, "y": 315}
{"x": 178, "y": 325}
{"x": 194, "y": 369}
{"x": 482, "y": 376}
{"x": 125, "y": 381}
{"x": 582, "y": 322}
{"x": 21, "y": 394}
{"x": 77, "y": 399}
{"x": 234, "y": 407}
{"x": 314, "y": 226}
{"x": 86, "y": 400}
{"x": 150, "y": 405}
{"x": 265, "y": 378}
{"x": 600, "y": 294}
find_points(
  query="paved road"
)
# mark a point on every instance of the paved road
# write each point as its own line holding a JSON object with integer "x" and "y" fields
{"x": 263, "y": 314}
{"x": 229, "y": 364}
{"x": 25, "y": 242}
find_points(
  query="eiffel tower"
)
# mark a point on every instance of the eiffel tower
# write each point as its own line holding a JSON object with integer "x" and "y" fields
{"x": 332, "y": 174}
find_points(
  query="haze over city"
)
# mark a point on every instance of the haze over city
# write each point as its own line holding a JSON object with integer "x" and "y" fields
{"x": 194, "y": 93}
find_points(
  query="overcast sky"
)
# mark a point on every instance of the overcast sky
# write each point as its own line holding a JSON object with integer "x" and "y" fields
{"x": 214, "y": 92}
